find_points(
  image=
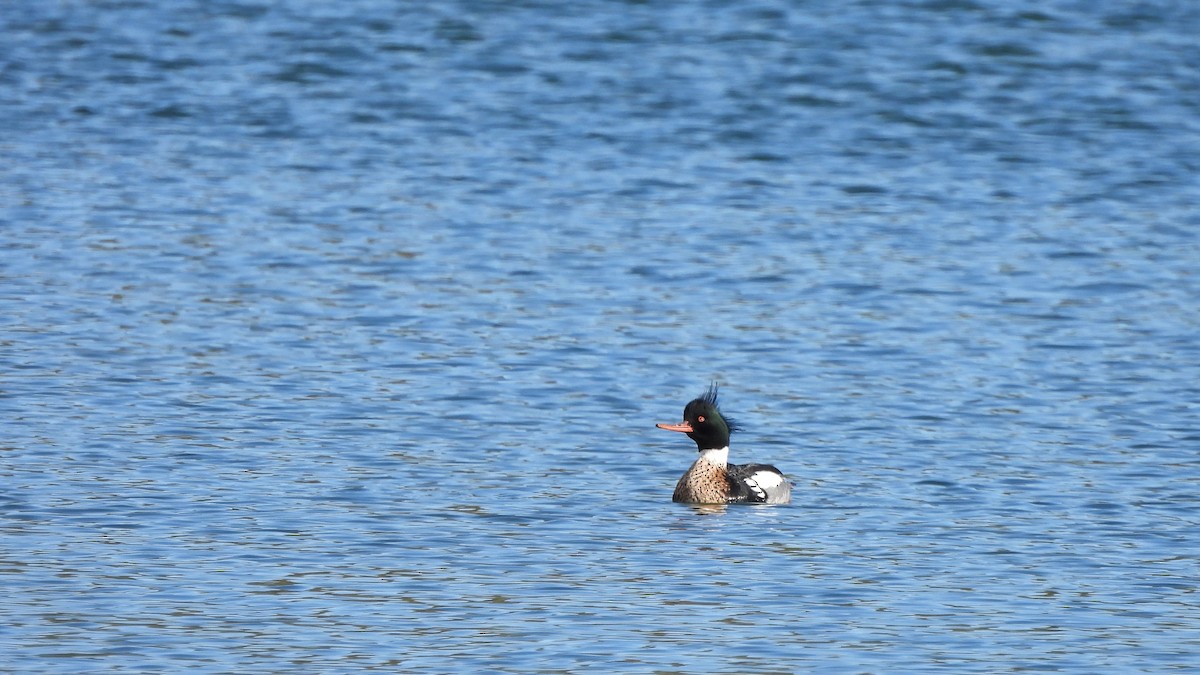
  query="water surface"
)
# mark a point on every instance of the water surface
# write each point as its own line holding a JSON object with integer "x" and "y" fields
{"x": 332, "y": 337}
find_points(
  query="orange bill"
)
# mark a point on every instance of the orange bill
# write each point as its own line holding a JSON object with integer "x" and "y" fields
{"x": 684, "y": 427}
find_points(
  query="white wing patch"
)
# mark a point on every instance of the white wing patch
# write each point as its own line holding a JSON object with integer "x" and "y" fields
{"x": 766, "y": 479}
{"x": 761, "y": 481}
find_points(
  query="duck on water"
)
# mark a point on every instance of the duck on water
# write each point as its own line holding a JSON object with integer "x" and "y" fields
{"x": 712, "y": 479}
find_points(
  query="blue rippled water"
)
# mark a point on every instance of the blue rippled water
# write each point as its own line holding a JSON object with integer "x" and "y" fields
{"x": 333, "y": 335}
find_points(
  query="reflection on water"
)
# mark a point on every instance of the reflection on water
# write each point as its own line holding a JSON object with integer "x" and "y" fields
{"x": 709, "y": 509}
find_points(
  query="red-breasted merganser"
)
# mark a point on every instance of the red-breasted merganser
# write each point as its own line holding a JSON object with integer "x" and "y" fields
{"x": 712, "y": 479}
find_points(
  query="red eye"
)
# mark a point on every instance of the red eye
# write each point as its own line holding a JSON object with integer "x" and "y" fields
{"x": 700, "y": 418}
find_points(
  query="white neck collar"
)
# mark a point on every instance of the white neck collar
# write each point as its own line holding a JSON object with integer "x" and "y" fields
{"x": 716, "y": 456}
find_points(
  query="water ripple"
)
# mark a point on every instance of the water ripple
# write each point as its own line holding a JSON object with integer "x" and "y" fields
{"x": 334, "y": 337}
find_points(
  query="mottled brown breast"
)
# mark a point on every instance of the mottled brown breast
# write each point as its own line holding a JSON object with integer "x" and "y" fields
{"x": 704, "y": 483}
